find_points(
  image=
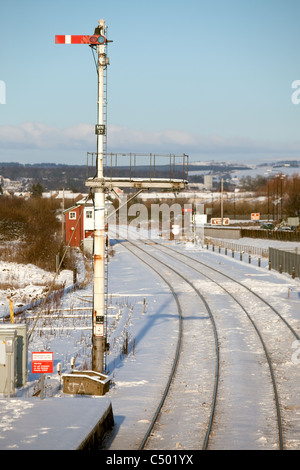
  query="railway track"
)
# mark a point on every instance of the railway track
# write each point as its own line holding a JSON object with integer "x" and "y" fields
{"x": 178, "y": 351}
{"x": 231, "y": 385}
{"x": 265, "y": 319}
{"x": 261, "y": 419}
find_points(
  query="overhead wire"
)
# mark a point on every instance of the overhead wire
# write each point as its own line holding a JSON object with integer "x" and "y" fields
{"x": 60, "y": 264}
{"x": 93, "y": 54}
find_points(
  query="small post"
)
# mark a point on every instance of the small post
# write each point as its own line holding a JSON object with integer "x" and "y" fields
{"x": 59, "y": 373}
{"x": 57, "y": 262}
{"x": 11, "y": 311}
{"x": 42, "y": 386}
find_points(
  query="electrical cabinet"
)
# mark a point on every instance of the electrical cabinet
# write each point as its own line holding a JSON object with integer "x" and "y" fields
{"x": 8, "y": 358}
{"x": 16, "y": 352}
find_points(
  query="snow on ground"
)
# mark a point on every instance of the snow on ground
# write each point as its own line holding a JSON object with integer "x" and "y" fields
{"x": 24, "y": 284}
{"x": 33, "y": 424}
{"x": 261, "y": 243}
{"x": 142, "y": 314}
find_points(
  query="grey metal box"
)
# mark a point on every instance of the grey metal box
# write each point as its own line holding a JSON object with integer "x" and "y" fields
{"x": 8, "y": 362}
{"x": 20, "y": 352}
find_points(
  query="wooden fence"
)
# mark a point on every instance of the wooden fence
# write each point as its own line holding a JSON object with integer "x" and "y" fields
{"x": 280, "y": 235}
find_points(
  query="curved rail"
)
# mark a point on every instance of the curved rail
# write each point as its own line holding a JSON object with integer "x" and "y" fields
{"x": 142, "y": 445}
{"x": 216, "y": 381}
{"x": 279, "y": 420}
{"x": 234, "y": 280}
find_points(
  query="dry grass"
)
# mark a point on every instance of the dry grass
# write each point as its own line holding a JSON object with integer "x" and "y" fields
{"x": 31, "y": 231}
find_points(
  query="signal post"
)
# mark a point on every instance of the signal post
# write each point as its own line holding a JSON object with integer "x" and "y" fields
{"x": 99, "y": 231}
{"x": 100, "y": 183}
{"x": 98, "y": 40}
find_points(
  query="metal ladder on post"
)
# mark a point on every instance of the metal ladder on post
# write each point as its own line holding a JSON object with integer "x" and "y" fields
{"x": 105, "y": 296}
{"x": 105, "y": 118}
{"x": 106, "y": 232}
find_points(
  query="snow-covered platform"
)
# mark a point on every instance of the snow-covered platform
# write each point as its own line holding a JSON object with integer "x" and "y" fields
{"x": 66, "y": 423}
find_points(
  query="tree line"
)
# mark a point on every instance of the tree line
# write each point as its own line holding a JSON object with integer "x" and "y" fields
{"x": 35, "y": 225}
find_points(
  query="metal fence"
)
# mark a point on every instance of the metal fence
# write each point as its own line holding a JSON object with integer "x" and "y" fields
{"x": 132, "y": 165}
{"x": 251, "y": 250}
{"x": 285, "y": 261}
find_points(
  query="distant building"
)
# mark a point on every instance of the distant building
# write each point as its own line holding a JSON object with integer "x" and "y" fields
{"x": 208, "y": 182}
{"x": 79, "y": 223}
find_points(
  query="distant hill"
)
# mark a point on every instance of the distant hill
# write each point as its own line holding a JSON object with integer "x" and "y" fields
{"x": 282, "y": 164}
{"x": 51, "y": 176}
{"x": 58, "y": 176}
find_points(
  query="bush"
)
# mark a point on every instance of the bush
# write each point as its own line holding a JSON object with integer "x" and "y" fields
{"x": 33, "y": 221}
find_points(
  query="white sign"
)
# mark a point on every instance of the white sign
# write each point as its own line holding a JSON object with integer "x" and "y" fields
{"x": 99, "y": 329}
{"x": 42, "y": 356}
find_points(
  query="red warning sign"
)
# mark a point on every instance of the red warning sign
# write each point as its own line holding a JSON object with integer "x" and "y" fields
{"x": 42, "y": 362}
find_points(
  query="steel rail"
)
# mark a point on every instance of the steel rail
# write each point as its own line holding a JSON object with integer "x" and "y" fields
{"x": 175, "y": 361}
{"x": 216, "y": 381}
{"x": 279, "y": 420}
{"x": 237, "y": 282}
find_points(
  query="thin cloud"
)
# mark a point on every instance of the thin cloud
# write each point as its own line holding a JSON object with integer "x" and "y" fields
{"x": 35, "y": 135}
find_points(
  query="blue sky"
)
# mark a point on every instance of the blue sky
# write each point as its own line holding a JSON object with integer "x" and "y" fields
{"x": 210, "y": 78}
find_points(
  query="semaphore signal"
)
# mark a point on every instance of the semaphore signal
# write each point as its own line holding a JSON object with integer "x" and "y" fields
{"x": 100, "y": 183}
{"x": 98, "y": 41}
{"x": 80, "y": 39}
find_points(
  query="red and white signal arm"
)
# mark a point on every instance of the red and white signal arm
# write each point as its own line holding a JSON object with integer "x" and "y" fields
{"x": 80, "y": 39}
